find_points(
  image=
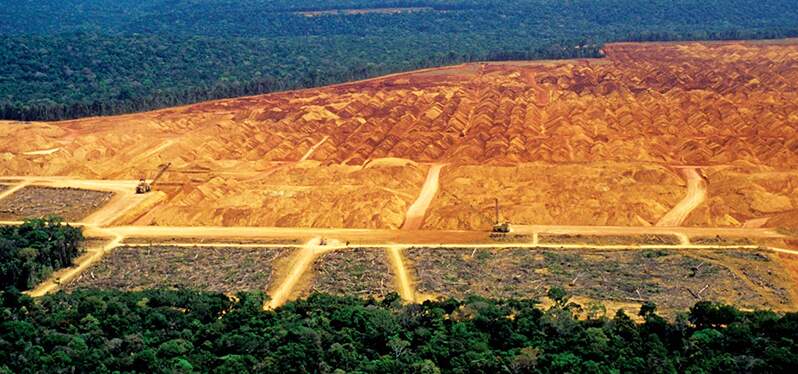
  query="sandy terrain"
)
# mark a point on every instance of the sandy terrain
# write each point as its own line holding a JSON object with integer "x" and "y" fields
{"x": 552, "y": 194}
{"x": 664, "y": 143}
{"x": 627, "y": 123}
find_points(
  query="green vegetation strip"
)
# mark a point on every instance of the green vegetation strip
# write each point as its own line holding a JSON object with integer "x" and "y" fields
{"x": 160, "y": 331}
{"x": 29, "y": 253}
{"x": 66, "y": 59}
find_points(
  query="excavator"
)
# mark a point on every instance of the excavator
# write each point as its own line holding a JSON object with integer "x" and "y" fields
{"x": 498, "y": 226}
{"x": 144, "y": 187}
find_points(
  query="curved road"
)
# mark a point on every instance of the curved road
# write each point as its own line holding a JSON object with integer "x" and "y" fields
{"x": 696, "y": 194}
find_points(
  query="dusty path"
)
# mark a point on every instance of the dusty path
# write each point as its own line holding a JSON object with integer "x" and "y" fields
{"x": 385, "y": 236}
{"x": 313, "y": 149}
{"x": 11, "y": 190}
{"x": 42, "y": 152}
{"x": 498, "y": 245}
{"x": 414, "y": 218}
{"x": 696, "y": 194}
{"x": 299, "y": 265}
{"x": 406, "y": 289}
{"x": 98, "y": 226}
{"x": 65, "y": 275}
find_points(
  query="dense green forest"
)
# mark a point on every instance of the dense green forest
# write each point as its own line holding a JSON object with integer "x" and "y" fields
{"x": 72, "y": 58}
{"x": 172, "y": 331}
{"x": 30, "y": 252}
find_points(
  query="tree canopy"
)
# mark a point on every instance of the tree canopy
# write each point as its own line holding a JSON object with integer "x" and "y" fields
{"x": 71, "y": 58}
{"x": 186, "y": 331}
{"x": 30, "y": 252}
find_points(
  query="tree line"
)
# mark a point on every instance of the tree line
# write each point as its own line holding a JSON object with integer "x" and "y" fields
{"x": 169, "y": 331}
{"x": 30, "y": 252}
{"x": 62, "y": 59}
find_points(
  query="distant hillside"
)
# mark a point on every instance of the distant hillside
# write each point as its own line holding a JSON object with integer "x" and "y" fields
{"x": 74, "y": 58}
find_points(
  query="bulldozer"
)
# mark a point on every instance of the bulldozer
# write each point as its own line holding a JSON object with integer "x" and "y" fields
{"x": 144, "y": 186}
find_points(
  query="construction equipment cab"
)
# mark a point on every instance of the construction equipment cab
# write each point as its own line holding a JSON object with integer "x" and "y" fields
{"x": 144, "y": 187}
{"x": 503, "y": 227}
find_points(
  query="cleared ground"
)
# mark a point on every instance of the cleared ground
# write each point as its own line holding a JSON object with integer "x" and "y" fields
{"x": 549, "y": 194}
{"x": 671, "y": 278}
{"x": 654, "y": 146}
{"x": 748, "y": 196}
{"x": 588, "y": 142}
{"x": 35, "y": 202}
{"x": 306, "y": 194}
{"x": 204, "y": 268}
{"x": 355, "y": 272}
{"x": 609, "y": 239}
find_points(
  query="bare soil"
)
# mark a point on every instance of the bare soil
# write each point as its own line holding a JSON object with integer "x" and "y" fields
{"x": 208, "y": 269}
{"x": 672, "y": 279}
{"x": 69, "y": 203}
{"x": 565, "y": 143}
{"x": 355, "y": 272}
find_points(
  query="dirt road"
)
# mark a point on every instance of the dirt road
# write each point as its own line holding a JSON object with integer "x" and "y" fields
{"x": 98, "y": 226}
{"x": 406, "y": 289}
{"x": 414, "y": 218}
{"x": 696, "y": 194}
{"x": 11, "y": 190}
{"x": 65, "y": 275}
{"x": 299, "y": 265}
{"x": 313, "y": 149}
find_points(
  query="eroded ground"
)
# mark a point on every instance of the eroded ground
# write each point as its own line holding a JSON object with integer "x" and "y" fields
{"x": 657, "y": 144}
{"x": 548, "y": 194}
{"x": 303, "y": 195}
{"x": 673, "y": 279}
{"x": 203, "y": 268}
{"x": 595, "y": 142}
{"x": 35, "y": 202}
{"x": 745, "y": 196}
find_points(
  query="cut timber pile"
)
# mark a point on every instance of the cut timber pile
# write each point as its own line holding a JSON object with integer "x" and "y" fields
{"x": 69, "y": 203}
{"x": 672, "y": 279}
{"x": 720, "y": 240}
{"x": 354, "y": 272}
{"x": 608, "y": 239}
{"x": 203, "y": 268}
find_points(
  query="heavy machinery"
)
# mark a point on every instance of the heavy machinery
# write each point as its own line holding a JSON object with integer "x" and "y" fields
{"x": 144, "y": 187}
{"x": 498, "y": 226}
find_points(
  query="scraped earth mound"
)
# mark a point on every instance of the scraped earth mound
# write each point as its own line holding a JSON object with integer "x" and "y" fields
{"x": 609, "y": 133}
